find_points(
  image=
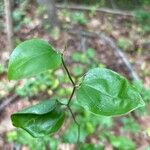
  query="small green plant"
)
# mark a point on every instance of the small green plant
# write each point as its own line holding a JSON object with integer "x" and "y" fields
{"x": 130, "y": 124}
{"x": 80, "y": 18}
{"x": 120, "y": 142}
{"x": 100, "y": 91}
{"x": 44, "y": 82}
{"x": 143, "y": 18}
{"x": 93, "y": 10}
{"x": 125, "y": 44}
{"x": 22, "y": 137}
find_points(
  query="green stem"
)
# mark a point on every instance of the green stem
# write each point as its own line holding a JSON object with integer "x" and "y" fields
{"x": 78, "y": 125}
{"x": 71, "y": 96}
{"x": 68, "y": 73}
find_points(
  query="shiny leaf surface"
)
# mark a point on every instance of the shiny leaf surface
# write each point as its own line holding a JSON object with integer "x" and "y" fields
{"x": 107, "y": 93}
{"x": 32, "y": 57}
{"x": 41, "y": 119}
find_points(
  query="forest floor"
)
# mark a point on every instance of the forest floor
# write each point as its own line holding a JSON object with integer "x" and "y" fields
{"x": 124, "y": 31}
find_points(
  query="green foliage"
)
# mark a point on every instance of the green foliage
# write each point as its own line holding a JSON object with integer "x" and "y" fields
{"x": 143, "y": 18}
{"x": 122, "y": 143}
{"x": 92, "y": 147}
{"x": 130, "y": 125}
{"x": 1, "y": 8}
{"x": 96, "y": 93}
{"x": 78, "y": 70}
{"x": 72, "y": 134}
{"x": 89, "y": 123}
{"x": 83, "y": 60}
{"x": 86, "y": 57}
{"x": 44, "y": 82}
{"x": 78, "y": 57}
{"x": 75, "y": 17}
{"x": 22, "y": 137}
{"x": 145, "y": 2}
{"x": 18, "y": 15}
{"x": 93, "y": 10}
{"x": 41, "y": 119}
{"x": 80, "y": 18}
{"x": 125, "y": 44}
{"x": 147, "y": 148}
{"x": 145, "y": 92}
{"x": 90, "y": 53}
{"x": 32, "y": 57}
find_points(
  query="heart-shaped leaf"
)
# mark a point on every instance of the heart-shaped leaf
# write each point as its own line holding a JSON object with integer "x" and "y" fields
{"x": 41, "y": 119}
{"x": 32, "y": 57}
{"x": 107, "y": 93}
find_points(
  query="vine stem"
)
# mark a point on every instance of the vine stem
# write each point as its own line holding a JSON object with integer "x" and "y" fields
{"x": 71, "y": 96}
{"x": 78, "y": 125}
{"x": 73, "y": 91}
{"x": 68, "y": 73}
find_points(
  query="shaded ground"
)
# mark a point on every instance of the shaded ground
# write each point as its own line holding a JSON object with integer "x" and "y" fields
{"x": 114, "y": 27}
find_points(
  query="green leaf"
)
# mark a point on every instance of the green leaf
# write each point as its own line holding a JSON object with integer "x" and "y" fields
{"x": 105, "y": 92}
{"x": 32, "y": 57}
{"x": 41, "y": 119}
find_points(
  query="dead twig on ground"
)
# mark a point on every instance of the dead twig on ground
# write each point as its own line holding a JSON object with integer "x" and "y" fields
{"x": 111, "y": 42}
{"x": 7, "y": 101}
{"x": 101, "y": 10}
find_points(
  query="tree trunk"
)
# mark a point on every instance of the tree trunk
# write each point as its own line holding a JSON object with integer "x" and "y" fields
{"x": 9, "y": 25}
{"x": 51, "y": 11}
{"x": 113, "y": 4}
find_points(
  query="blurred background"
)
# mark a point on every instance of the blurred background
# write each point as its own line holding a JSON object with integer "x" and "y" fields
{"x": 99, "y": 33}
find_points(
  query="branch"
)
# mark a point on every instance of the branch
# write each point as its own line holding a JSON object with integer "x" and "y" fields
{"x": 101, "y": 10}
{"x": 9, "y": 24}
{"x": 122, "y": 55}
{"x": 7, "y": 101}
{"x": 66, "y": 69}
{"x": 78, "y": 125}
{"x": 113, "y": 45}
{"x": 71, "y": 96}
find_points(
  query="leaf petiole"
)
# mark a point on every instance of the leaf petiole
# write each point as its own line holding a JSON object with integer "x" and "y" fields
{"x": 71, "y": 96}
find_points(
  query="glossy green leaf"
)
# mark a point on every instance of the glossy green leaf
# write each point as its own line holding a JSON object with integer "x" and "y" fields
{"x": 107, "y": 93}
{"x": 41, "y": 119}
{"x": 32, "y": 57}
